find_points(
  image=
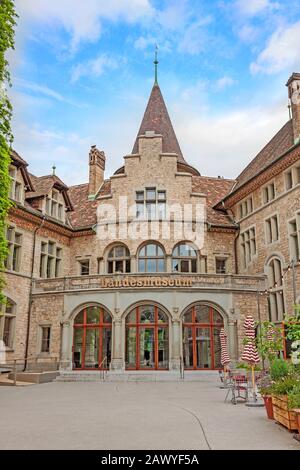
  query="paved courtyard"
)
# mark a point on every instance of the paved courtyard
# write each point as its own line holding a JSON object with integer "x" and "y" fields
{"x": 110, "y": 415}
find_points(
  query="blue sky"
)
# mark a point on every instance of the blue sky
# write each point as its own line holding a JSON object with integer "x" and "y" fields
{"x": 82, "y": 72}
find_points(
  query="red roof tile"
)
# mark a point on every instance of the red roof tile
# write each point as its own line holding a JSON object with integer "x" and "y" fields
{"x": 215, "y": 190}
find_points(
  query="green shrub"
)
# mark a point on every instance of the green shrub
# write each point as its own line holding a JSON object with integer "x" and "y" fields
{"x": 284, "y": 386}
{"x": 279, "y": 369}
{"x": 294, "y": 397}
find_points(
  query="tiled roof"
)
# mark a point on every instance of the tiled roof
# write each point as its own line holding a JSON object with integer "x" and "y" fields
{"x": 215, "y": 190}
{"x": 44, "y": 184}
{"x": 156, "y": 118}
{"x": 280, "y": 143}
{"x": 85, "y": 210}
{"x": 17, "y": 158}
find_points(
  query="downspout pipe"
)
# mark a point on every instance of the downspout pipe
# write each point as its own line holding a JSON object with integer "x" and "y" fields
{"x": 30, "y": 292}
{"x": 236, "y": 236}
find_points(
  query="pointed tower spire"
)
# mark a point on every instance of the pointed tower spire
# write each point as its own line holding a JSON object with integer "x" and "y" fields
{"x": 157, "y": 119}
{"x": 155, "y": 65}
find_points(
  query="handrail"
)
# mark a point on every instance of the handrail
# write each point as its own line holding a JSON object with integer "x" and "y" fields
{"x": 102, "y": 370}
{"x": 15, "y": 361}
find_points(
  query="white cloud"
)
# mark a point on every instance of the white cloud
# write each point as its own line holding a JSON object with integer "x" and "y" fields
{"x": 82, "y": 19}
{"x": 195, "y": 37}
{"x": 143, "y": 42}
{"x": 281, "y": 53}
{"x": 42, "y": 90}
{"x": 251, "y": 8}
{"x": 93, "y": 67}
{"x": 224, "y": 143}
{"x": 224, "y": 82}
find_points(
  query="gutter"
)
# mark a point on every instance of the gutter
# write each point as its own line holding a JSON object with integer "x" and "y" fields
{"x": 30, "y": 292}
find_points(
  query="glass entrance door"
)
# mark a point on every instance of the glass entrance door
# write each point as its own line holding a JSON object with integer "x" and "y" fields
{"x": 92, "y": 339}
{"x": 147, "y": 339}
{"x": 201, "y": 337}
{"x": 147, "y": 348}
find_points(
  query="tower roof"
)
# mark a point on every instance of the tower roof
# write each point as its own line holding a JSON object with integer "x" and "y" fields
{"x": 157, "y": 119}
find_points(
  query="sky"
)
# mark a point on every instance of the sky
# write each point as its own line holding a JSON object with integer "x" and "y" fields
{"x": 82, "y": 73}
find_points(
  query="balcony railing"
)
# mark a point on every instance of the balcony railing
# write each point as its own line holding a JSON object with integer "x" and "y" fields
{"x": 140, "y": 281}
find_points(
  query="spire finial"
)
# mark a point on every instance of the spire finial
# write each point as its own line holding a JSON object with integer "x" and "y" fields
{"x": 53, "y": 169}
{"x": 155, "y": 65}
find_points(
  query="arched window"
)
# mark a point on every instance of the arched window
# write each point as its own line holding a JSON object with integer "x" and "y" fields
{"x": 92, "y": 338}
{"x": 184, "y": 259}
{"x": 276, "y": 299}
{"x": 151, "y": 259}
{"x": 118, "y": 260}
{"x": 147, "y": 338}
{"x": 7, "y": 323}
{"x": 201, "y": 337}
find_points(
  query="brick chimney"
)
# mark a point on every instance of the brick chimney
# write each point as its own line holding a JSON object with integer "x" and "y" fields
{"x": 293, "y": 85}
{"x": 96, "y": 170}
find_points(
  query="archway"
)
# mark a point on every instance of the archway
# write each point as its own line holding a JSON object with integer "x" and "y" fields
{"x": 147, "y": 338}
{"x": 201, "y": 337}
{"x": 92, "y": 338}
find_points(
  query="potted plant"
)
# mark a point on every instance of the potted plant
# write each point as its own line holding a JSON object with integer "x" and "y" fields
{"x": 294, "y": 405}
{"x": 281, "y": 390}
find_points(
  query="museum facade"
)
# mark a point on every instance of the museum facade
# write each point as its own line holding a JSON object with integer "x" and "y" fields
{"x": 141, "y": 270}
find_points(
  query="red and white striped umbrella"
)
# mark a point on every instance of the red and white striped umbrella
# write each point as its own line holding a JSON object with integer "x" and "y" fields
{"x": 250, "y": 353}
{"x": 225, "y": 359}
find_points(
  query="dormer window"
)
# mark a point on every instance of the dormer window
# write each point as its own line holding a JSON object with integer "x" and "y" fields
{"x": 54, "y": 207}
{"x": 15, "y": 186}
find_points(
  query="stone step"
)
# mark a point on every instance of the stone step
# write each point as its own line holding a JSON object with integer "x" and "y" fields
{"x": 135, "y": 376}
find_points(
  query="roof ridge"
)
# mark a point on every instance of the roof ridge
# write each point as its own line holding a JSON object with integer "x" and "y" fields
{"x": 264, "y": 147}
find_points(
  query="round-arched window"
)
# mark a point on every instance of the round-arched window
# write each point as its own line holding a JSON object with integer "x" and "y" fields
{"x": 92, "y": 338}
{"x": 276, "y": 298}
{"x": 184, "y": 259}
{"x": 147, "y": 338}
{"x": 202, "y": 324}
{"x": 118, "y": 260}
{"x": 151, "y": 259}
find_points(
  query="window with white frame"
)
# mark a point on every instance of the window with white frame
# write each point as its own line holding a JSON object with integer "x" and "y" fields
{"x": 14, "y": 242}
{"x": 272, "y": 229}
{"x": 276, "y": 297}
{"x": 16, "y": 187}
{"x": 50, "y": 260}
{"x": 54, "y": 208}
{"x": 151, "y": 203}
{"x": 151, "y": 259}
{"x": 184, "y": 259}
{"x": 268, "y": 193}
{"x": 7, "y": 323}
{"x": 221, "y": 265}
{"x": 245, "y": 207}
{"x": 292, "y": 177}
{"x": 248, "y": 244}
{"x": 294, "y": 236}
{"x": 118, "y": 260}
{"x": 45, "y": 339}
{"x": 84, "y": 267}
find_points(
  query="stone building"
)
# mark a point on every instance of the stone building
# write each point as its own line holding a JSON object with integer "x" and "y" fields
{"x": 92, "y": 283}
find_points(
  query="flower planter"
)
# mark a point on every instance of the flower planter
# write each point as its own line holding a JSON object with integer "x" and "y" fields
{"x": 282, "y": 414}
{"x": 297, "y": 412}
{"x": 269, "y": 406}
